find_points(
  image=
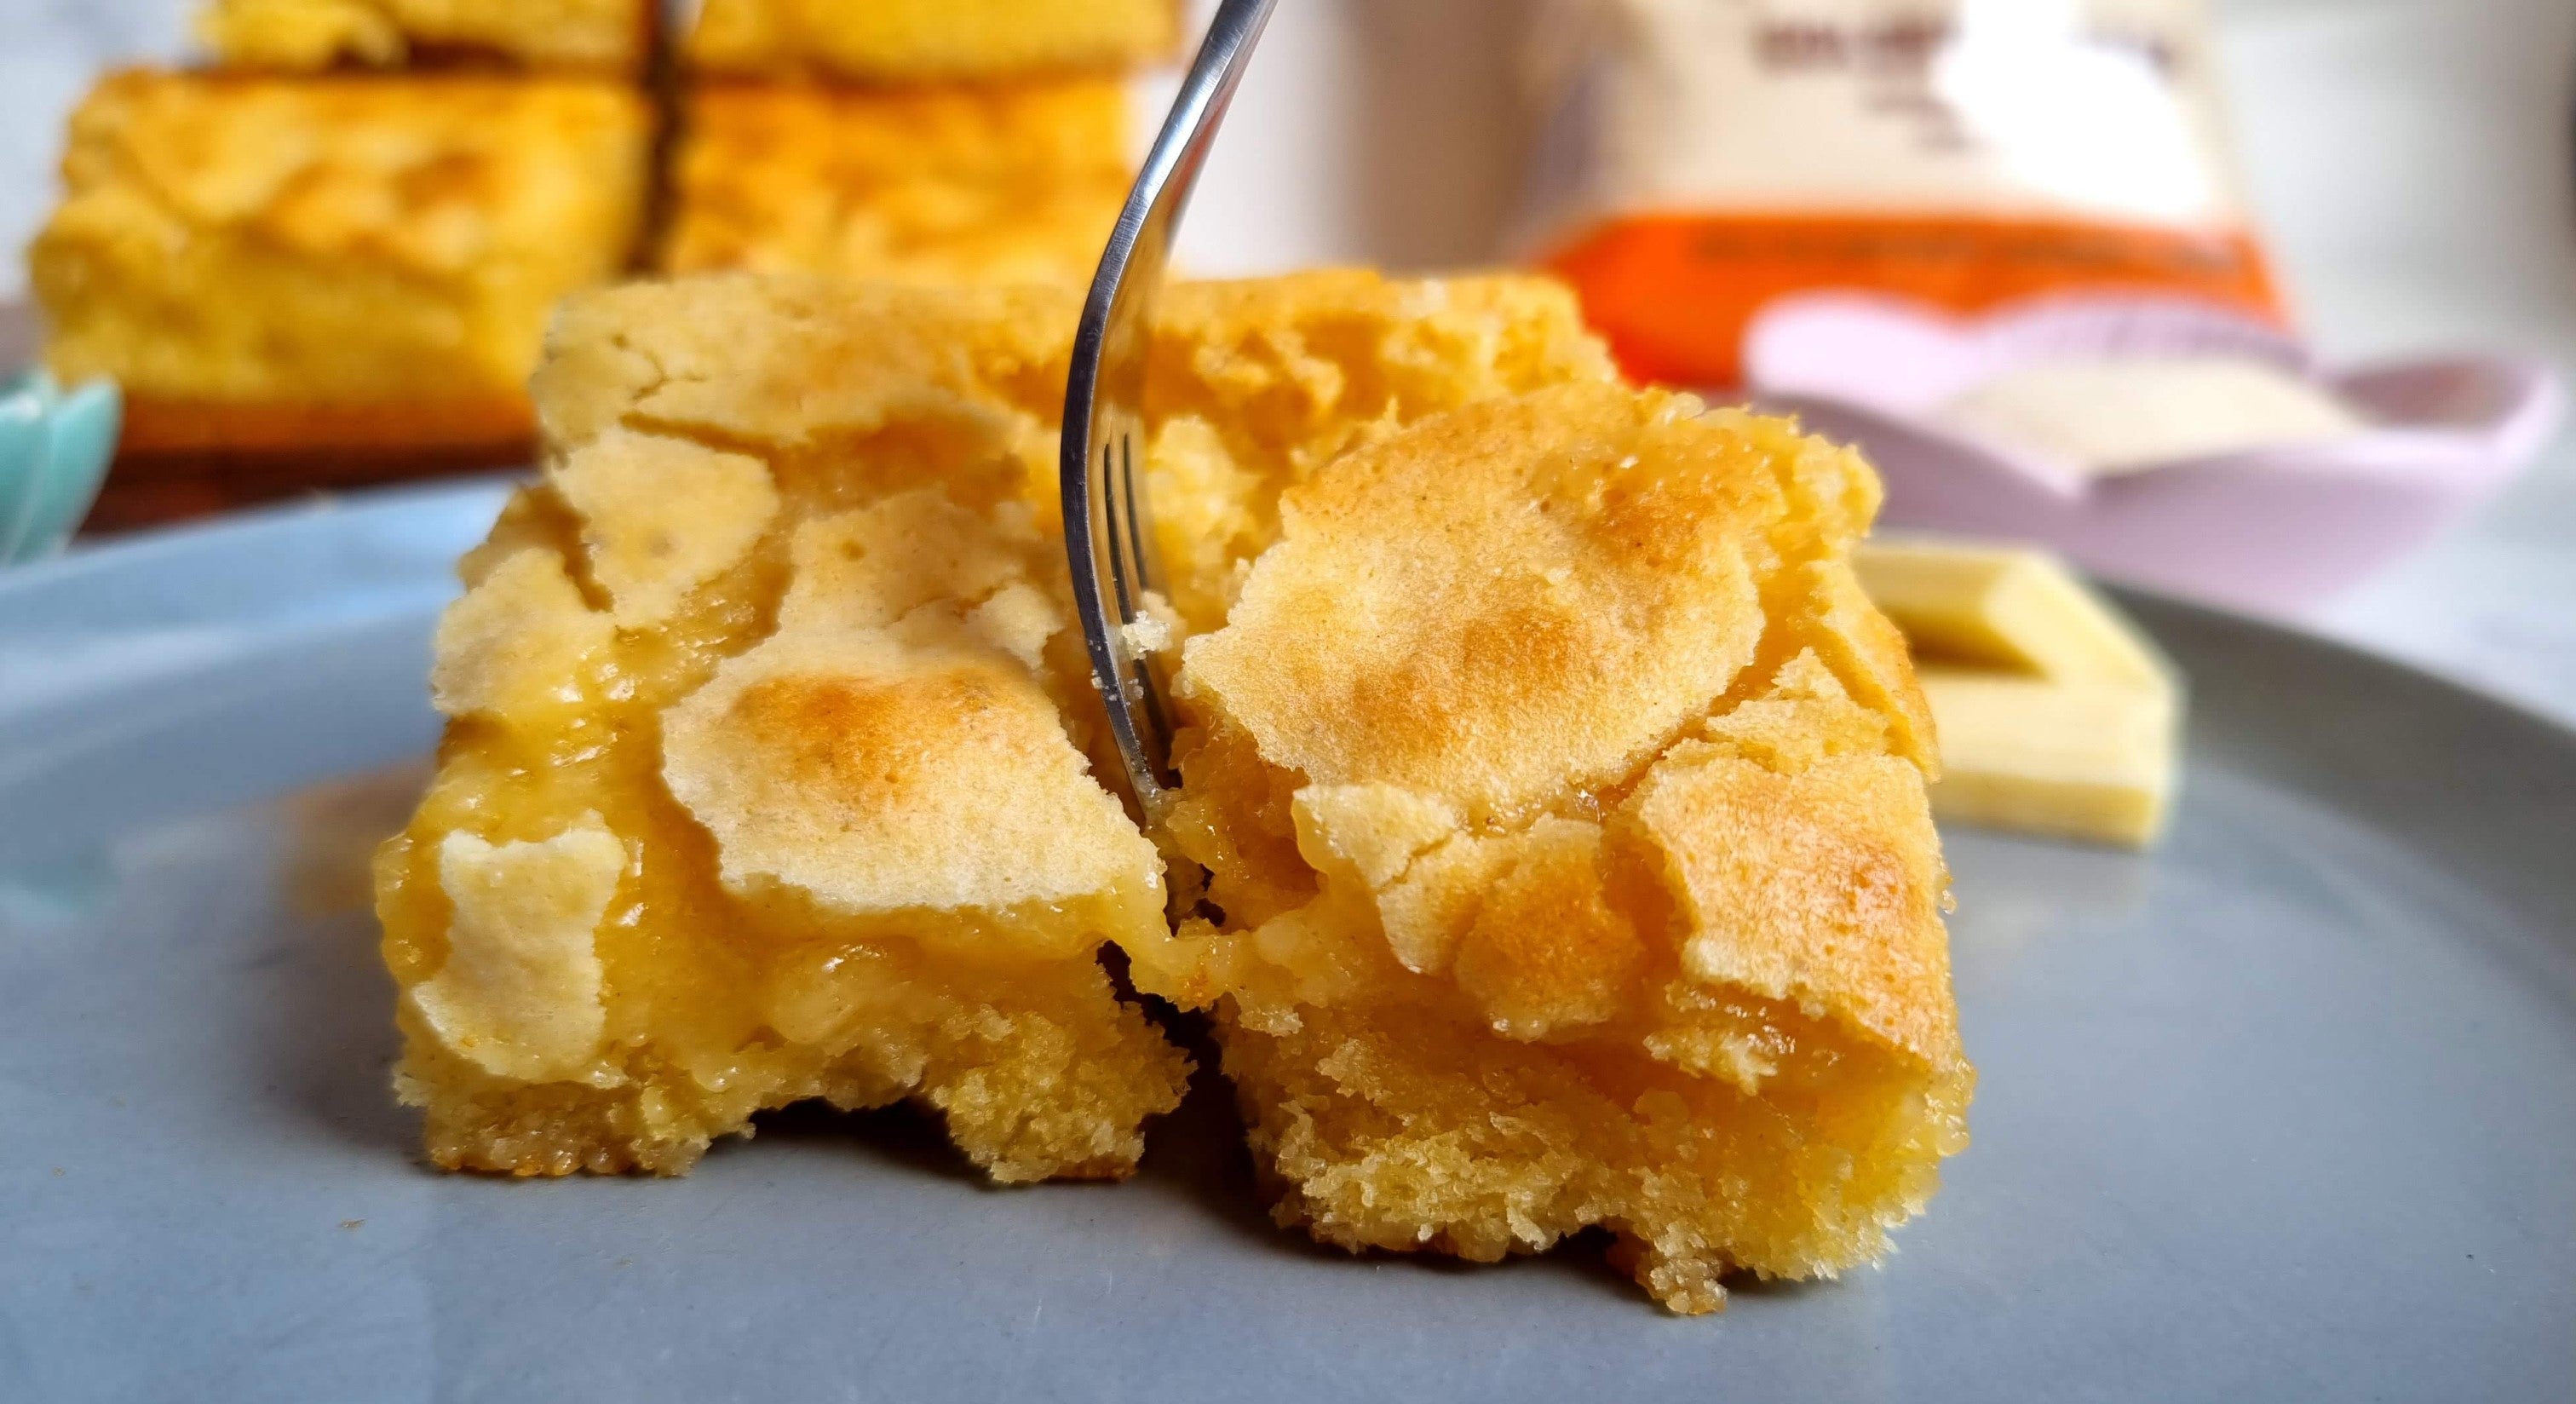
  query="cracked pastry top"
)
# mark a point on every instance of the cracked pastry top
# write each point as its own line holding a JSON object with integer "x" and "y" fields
{"x": 303, "y": 35}
{"x": 997, "y": 182}
{"x": 1569, "y": 862}
{"x": 295, "y": 262}
{"x": 913, "y": 41}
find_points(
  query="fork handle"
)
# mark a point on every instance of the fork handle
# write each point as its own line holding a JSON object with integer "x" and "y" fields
{"x": 1108, "y": 528}
{"x": 1180, "y": 152}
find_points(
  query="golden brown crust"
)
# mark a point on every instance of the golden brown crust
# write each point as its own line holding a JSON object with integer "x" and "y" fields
{"x": 1496, "y": 640}
{"x": 313, "y": 35}
{"x": 1521, "y": 609}
{"x": 804, "y": 365}
{"x": 916, "y": 40}
{"x": 1000, "y": 183}
{"x": 1823, "y": 887}
{"x": 912, "y": 766}
{"x": 1257, "y": 384}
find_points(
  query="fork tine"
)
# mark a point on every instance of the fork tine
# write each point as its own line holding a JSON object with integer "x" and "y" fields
{"x": 1119, "y": 506}
{"x": 1140, "y": 542}
{"x": 1133, "y": 538}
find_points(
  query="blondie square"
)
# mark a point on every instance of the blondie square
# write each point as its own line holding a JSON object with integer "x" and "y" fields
{"x": 757, "y": 785}
{"x": 1007, "y": 182}
{"x": 1569, "y": 864}
{"x": 303, "y": 35}
{"x": 917, "y": 40}
{"x": 285, "y": 263}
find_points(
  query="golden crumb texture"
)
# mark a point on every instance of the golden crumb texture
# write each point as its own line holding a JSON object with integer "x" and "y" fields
{"x": 308, "y": 35}
{"x": 1569, "y": 862}
{"x": 261, "y": 248}
{"x": 916, "y": 40}
{"x": 1002, "y": 182}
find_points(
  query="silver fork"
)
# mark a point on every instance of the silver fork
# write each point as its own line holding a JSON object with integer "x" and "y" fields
{"x": 1108, "y": 527}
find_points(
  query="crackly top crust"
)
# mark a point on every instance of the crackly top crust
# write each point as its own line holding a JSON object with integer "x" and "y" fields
{"x": 441, "y": 176}
{"x": 889, "y": 453}
{"x": 320, "y": 34}
{"x": 1727, "y": 527}
{"x": 1254, "y": 384}
{"x": 890, "y": 742}
{"x": 927, "y": 39}
{"x": 1818, "y": 886}
{"x": 315, "y": 240}
{"x": 891, "y": 746}
{"x": 1429, "y": 342}
{"x": 793, "y": 365}
{"x": 1499, "y": 640}
{"x": 1576, "y": 712}
{"x": 1000, "y": 182}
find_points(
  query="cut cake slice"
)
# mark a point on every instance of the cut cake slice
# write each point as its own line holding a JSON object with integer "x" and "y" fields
{"x": 755, "y": 788}
{"x": 1569, "y": 863}
{"x": 1553, "y": 796}
{"x": 280, "y": 264}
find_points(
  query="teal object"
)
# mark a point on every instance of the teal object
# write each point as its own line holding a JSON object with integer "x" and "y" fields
{"x": 55, "y": 447}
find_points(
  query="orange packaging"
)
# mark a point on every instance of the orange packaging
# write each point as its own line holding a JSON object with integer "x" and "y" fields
{"x": 1699, "y": 159}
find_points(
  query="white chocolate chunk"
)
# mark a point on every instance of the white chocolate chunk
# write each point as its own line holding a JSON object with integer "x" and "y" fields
{"x": 2004, "y": 608}
{"x": 2071, "y": 760}
{"x": 2056, "y": 716}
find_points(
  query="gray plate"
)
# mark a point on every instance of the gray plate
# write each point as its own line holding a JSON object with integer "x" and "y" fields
{"x": 2286, "y": 1111}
